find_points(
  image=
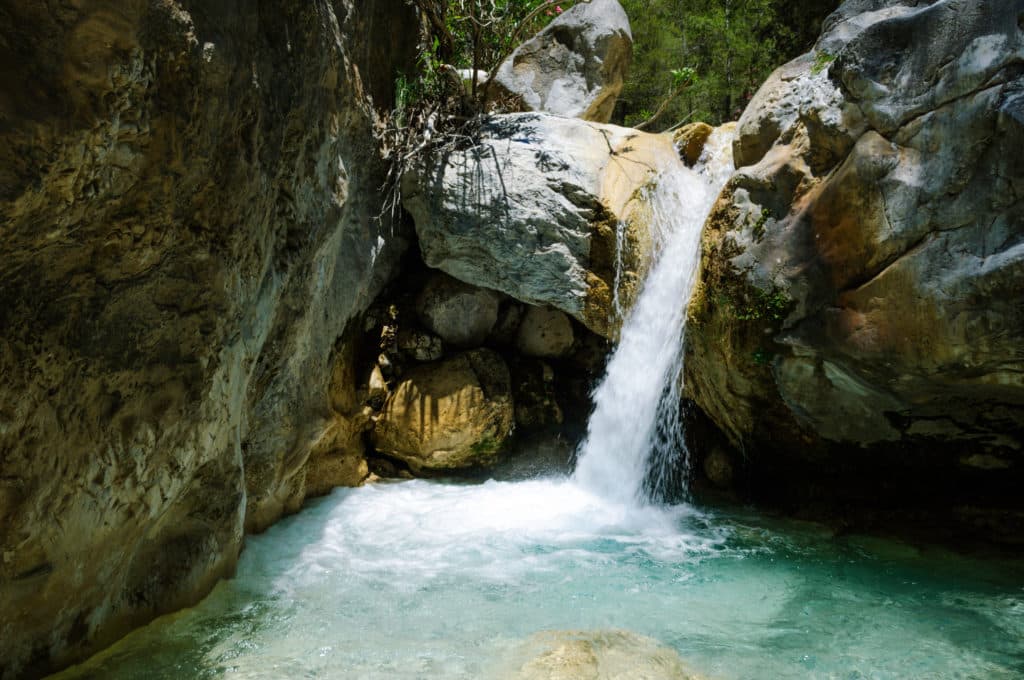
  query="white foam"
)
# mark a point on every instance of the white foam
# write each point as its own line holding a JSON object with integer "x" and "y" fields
{"x": 636, "y": 406}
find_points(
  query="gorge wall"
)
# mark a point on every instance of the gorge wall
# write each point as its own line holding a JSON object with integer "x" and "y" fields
{"x": 859, "y": 317}
{"x": 188, "y": 220}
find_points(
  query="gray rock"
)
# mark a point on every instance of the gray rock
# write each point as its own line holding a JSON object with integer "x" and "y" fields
{"x": 545, "y": 333}
{"x": 462, "y": 314}
{"x": 532, "y": 210}
{"x": 575, "y": 67}
{"x": 864, "y": 284}
{"x": 507, "y": 328}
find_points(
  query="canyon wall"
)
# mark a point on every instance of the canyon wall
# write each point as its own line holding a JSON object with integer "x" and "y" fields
{"x": 859, "y": 313}
{"x": 189, "y": 199}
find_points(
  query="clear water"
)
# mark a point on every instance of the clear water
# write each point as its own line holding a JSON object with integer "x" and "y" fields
{"x": 430, "y": 580}
{"x": 433, "y": 580}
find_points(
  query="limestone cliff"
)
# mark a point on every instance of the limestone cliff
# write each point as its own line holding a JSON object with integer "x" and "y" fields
{"x": 188, "y": 201}
{"x": 860, "y": 301}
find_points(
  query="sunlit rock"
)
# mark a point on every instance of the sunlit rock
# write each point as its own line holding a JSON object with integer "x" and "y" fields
{"x": 597, "y": 655}
{"x": 535, "y": 209}
{"x": 575, "y": 67}
{"x": 451, "y": 414}
{"x": 862, "y": 278}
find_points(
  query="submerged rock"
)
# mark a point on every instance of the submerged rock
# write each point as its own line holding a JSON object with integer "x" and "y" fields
{"x": 451, "y": 414}
{"x": 575, "y": 67}
{"x": 597, "y": 655}
{"x": 861, "y": 286}
{"x": 534, "y": 209}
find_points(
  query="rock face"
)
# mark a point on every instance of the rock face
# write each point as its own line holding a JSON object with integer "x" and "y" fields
{"x": 463, "y": 315}
{"x": 534, "y": 208}
{"x": 448, "y": 415}
{"x": 575, "y": 67}
{"x": 861, "y": 289}
{"x": 188, "y": 196}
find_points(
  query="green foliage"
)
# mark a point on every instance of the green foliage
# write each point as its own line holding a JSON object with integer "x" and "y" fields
{"x": 762, "y": 220}
{"x": 493, "y": 27}
{"x": 762, "y": 305}
{"x": 729, "y": 46}
{"x": 821, "y": 62}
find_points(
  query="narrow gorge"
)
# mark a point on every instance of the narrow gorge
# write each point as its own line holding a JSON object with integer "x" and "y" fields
{"x": 386, "y": 339}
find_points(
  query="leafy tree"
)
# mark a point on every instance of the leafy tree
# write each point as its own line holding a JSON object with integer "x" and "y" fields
{"x": 731, "y": 46}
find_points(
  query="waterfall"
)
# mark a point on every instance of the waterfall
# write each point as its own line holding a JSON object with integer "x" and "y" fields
{"x": 635, "y": 431}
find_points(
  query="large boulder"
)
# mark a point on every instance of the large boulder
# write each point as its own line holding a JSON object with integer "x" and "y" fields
{"x": 463, "y": 315}
{"x": 188, "y": 201}
{"x": 448, "y": 415}
{"x": 575, "y": 67}
{"x": 535, "y": 207}
{"x": 862, "y": 278}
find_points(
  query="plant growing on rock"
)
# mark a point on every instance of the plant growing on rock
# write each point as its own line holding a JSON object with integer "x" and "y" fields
{"x": 433, "y": 109}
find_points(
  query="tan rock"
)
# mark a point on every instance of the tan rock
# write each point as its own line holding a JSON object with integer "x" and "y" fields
{"x": 597, "y": 655}
{"x": 453, "y": 414}
{"x": 545, "y": 333}
{"x": 690, "y": 140}
{"x": 377, "y": 386}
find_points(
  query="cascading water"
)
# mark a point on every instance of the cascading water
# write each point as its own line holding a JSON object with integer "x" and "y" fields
{"x": 635, "y": 428}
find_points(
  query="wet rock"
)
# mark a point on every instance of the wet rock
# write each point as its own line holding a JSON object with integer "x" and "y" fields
{"x": 575, "y": 67}
{"x": 545, "y": 333}
{"x": 534, "y": 209}
{"x": 452, "y": 414}
{"x": 462, "y": 314}
{"x": 718, "y": 468}
{"x": 536, "y": 402}
{"x": 690, "y": 139}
